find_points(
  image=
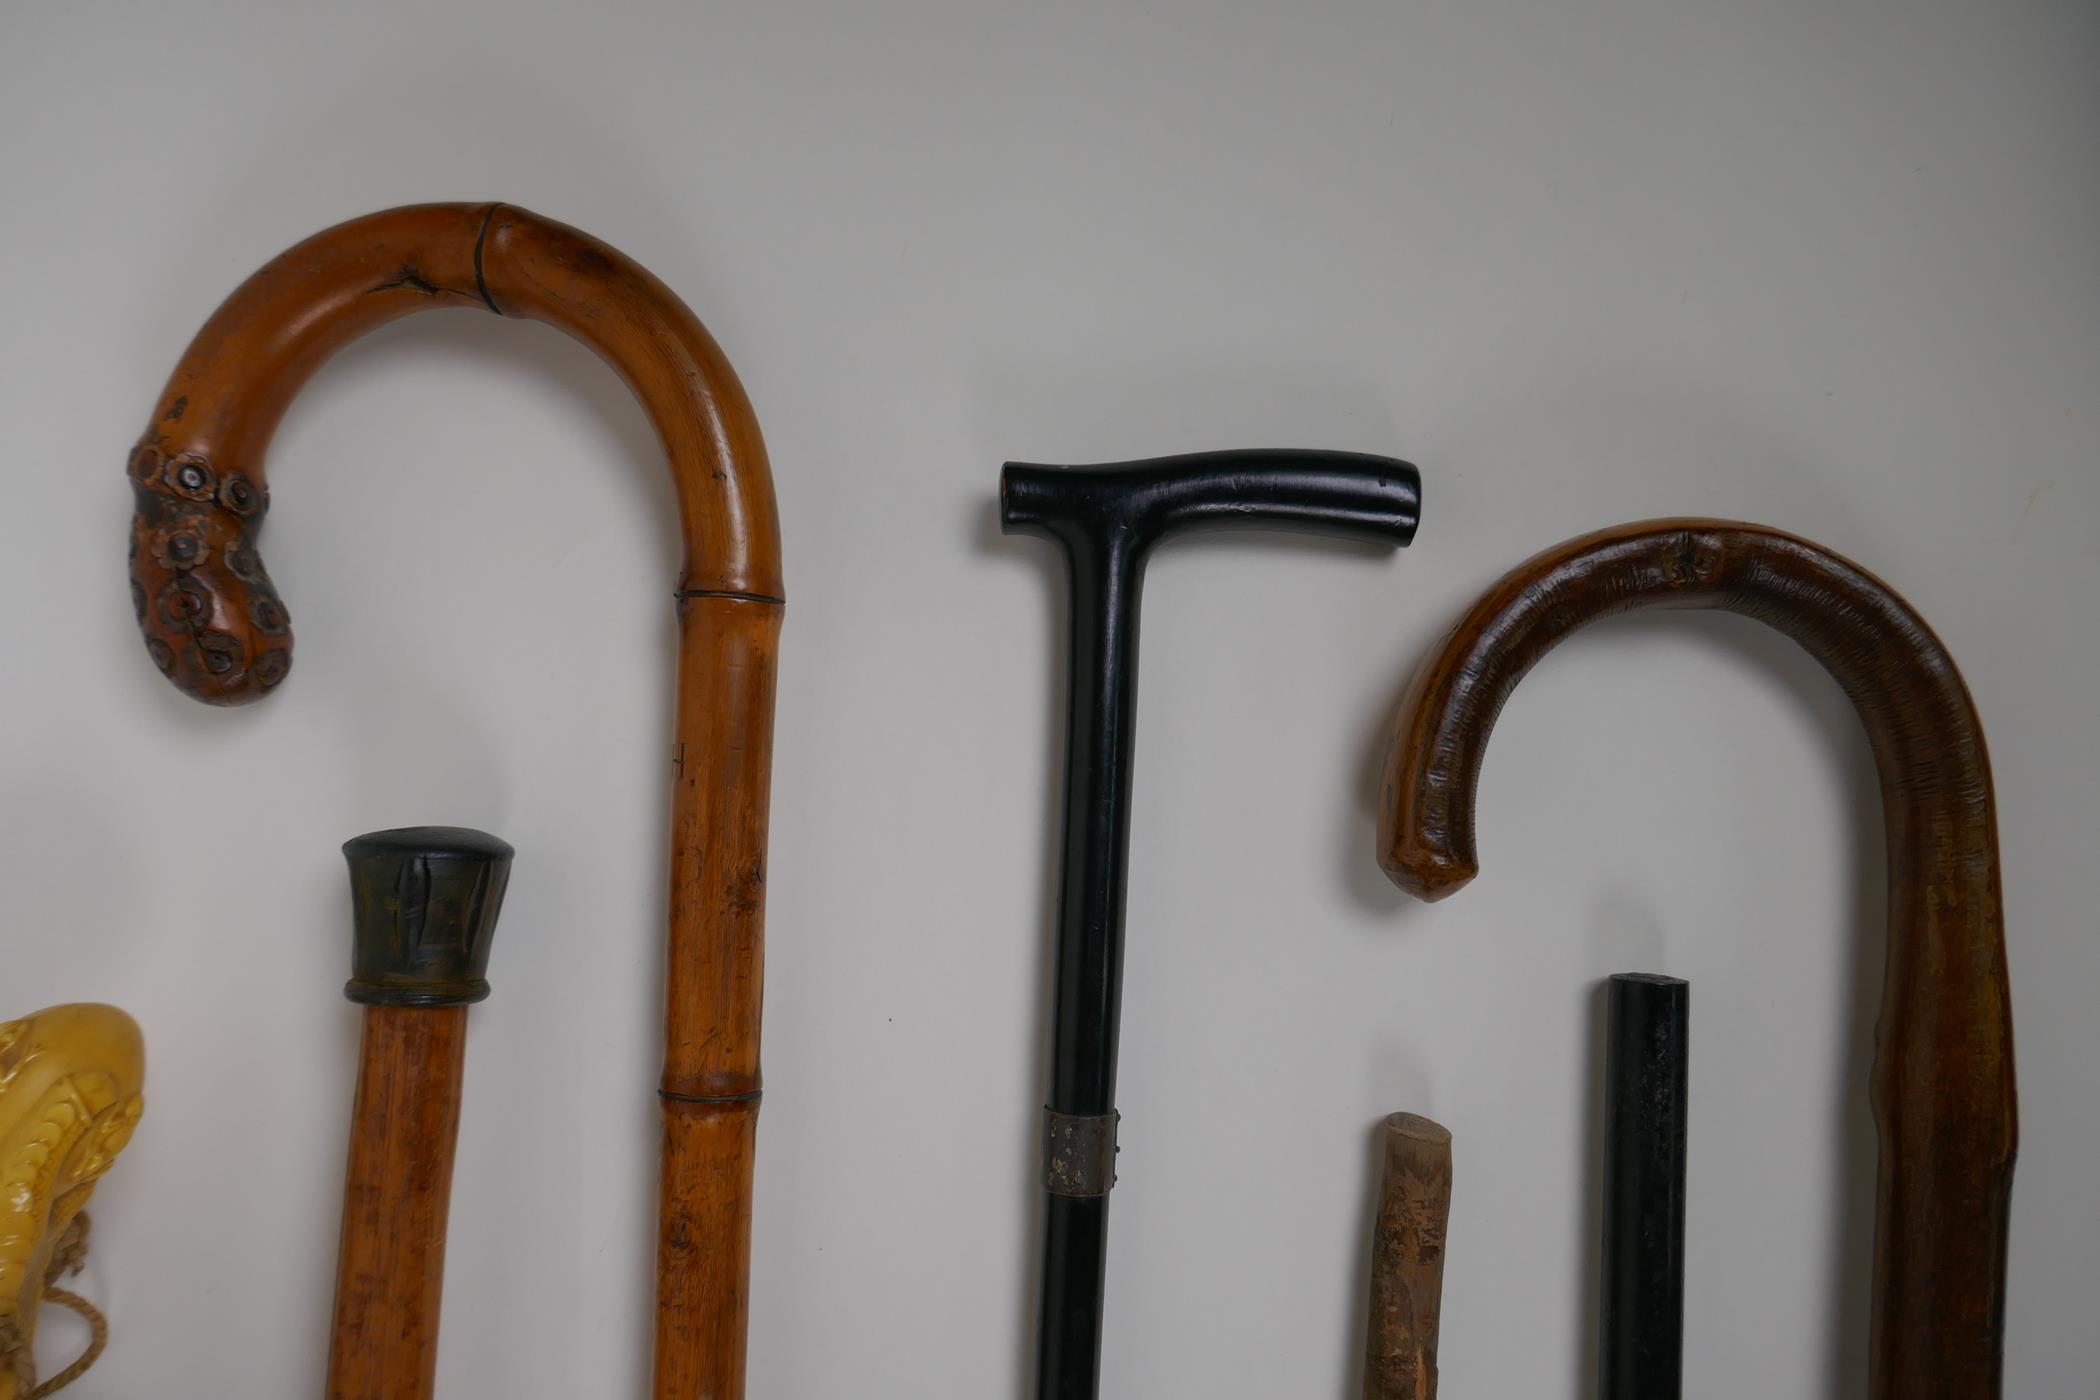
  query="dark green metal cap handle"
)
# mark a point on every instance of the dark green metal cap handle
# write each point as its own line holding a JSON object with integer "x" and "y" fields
{"x": 425, "y": 900}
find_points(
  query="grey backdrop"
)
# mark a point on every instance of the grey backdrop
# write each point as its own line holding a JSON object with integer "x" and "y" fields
{"x": 1829, "y": 267}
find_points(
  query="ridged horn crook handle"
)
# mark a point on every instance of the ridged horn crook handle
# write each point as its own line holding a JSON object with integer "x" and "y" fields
{"x": 1942, "y": 1083}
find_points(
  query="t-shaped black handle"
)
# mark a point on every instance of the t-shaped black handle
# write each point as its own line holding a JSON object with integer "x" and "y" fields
{"x": 1139, "y": 503}
{"x": 425, "y": 901}
{"x": 1107, "y": 518}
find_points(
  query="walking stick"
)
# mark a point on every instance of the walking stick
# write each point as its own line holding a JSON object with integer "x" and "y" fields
{"x": 1407, "y": 1260}
{"x": 1641, "y": 1356}
{"x": 426, "y": 900}
{"x": 1106, "y": 519}
{"x": 1646, "y": 1081}
{"x": 215, "y": 626}
{"x": 1942, "y": 1083}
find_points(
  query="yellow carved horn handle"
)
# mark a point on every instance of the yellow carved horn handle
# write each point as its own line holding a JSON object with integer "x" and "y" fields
{"x": 70, "y": 1082}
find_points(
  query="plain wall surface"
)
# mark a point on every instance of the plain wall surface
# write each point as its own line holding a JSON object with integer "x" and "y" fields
{"x": 1826, "y": 267}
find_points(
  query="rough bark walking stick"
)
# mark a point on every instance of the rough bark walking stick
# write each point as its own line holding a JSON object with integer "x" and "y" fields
{"x": 214, "y": 625}
{"x": 1107, "y": 519}
{"x": 1407, "y": 1260}
{"x": 1942, "y": 1082}
{"x": 426, "y": 900}
{"x": 1640, "y": 1352}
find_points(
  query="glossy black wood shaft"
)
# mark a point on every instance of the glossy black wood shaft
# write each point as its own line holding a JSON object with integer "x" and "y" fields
{"x": 1106, "y": 519}
{"x": 1647, "y": 1063}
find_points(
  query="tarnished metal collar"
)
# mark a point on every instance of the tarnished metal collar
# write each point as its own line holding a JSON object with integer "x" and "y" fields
{"x": 1079, "y": 1153}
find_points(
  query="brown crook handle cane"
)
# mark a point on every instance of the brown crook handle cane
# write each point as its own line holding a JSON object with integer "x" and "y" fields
{"x": 1942, "y": 1083}
{"x": 215, "y": 626}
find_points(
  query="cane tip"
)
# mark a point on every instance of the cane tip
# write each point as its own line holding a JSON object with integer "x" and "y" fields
{"x": 1415, "y": 1128}
{"x": 1427, "y": 871}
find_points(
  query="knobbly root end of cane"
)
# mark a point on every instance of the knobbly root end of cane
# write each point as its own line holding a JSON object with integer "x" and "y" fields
{"x": 212, "y": 619}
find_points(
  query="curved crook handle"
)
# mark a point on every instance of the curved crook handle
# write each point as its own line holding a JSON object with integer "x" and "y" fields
{"x": 213, "y": 621}
{"x": 1130, "y": 506}
{"x": 1942, "y": 1083}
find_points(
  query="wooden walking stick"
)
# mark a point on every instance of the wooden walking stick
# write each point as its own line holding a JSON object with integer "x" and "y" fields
{"x": 215, "y": 626}
{"x": 1640, "y": 1354}
{"x": 1106, "y": 520}
{"x": 426, "y": 900}
{"x": 1942, "y": 1082}
{"x": 1407, "y": 1260}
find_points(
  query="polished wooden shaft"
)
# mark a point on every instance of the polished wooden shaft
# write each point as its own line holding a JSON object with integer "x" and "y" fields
{"x": 1942, "y": 1082}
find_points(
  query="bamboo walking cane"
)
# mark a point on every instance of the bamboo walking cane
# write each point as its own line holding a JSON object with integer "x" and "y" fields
{"x": 215, "y": 626}
{"x": 1106, "y": 519}
{"x": 426, "y": 901}
{"x": 1942, "y": 1084}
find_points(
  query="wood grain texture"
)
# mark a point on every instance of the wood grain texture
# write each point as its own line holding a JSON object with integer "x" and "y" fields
{"x": 215, "y": 625}
{"x": 397, "y": 1192}
{"x": 1942, "y": 1085}
{"x": 1407, "y": 1260}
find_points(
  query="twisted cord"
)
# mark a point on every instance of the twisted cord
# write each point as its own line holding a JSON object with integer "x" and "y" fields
{"x": 98, "y": 1328}
{"x": 67, "y": 1257}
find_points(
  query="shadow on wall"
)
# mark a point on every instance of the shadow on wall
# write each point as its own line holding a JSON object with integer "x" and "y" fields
{"x": 1102, "y": 412}
{"x": 994, "y": 545}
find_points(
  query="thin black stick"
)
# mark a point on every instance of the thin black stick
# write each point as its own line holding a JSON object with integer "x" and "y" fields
{"x": 1641, "y": 1356}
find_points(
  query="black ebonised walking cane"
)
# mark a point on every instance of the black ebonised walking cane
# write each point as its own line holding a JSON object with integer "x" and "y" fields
{"x": 1646, "y": 1082}
{"x": 1107, "y": 519}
